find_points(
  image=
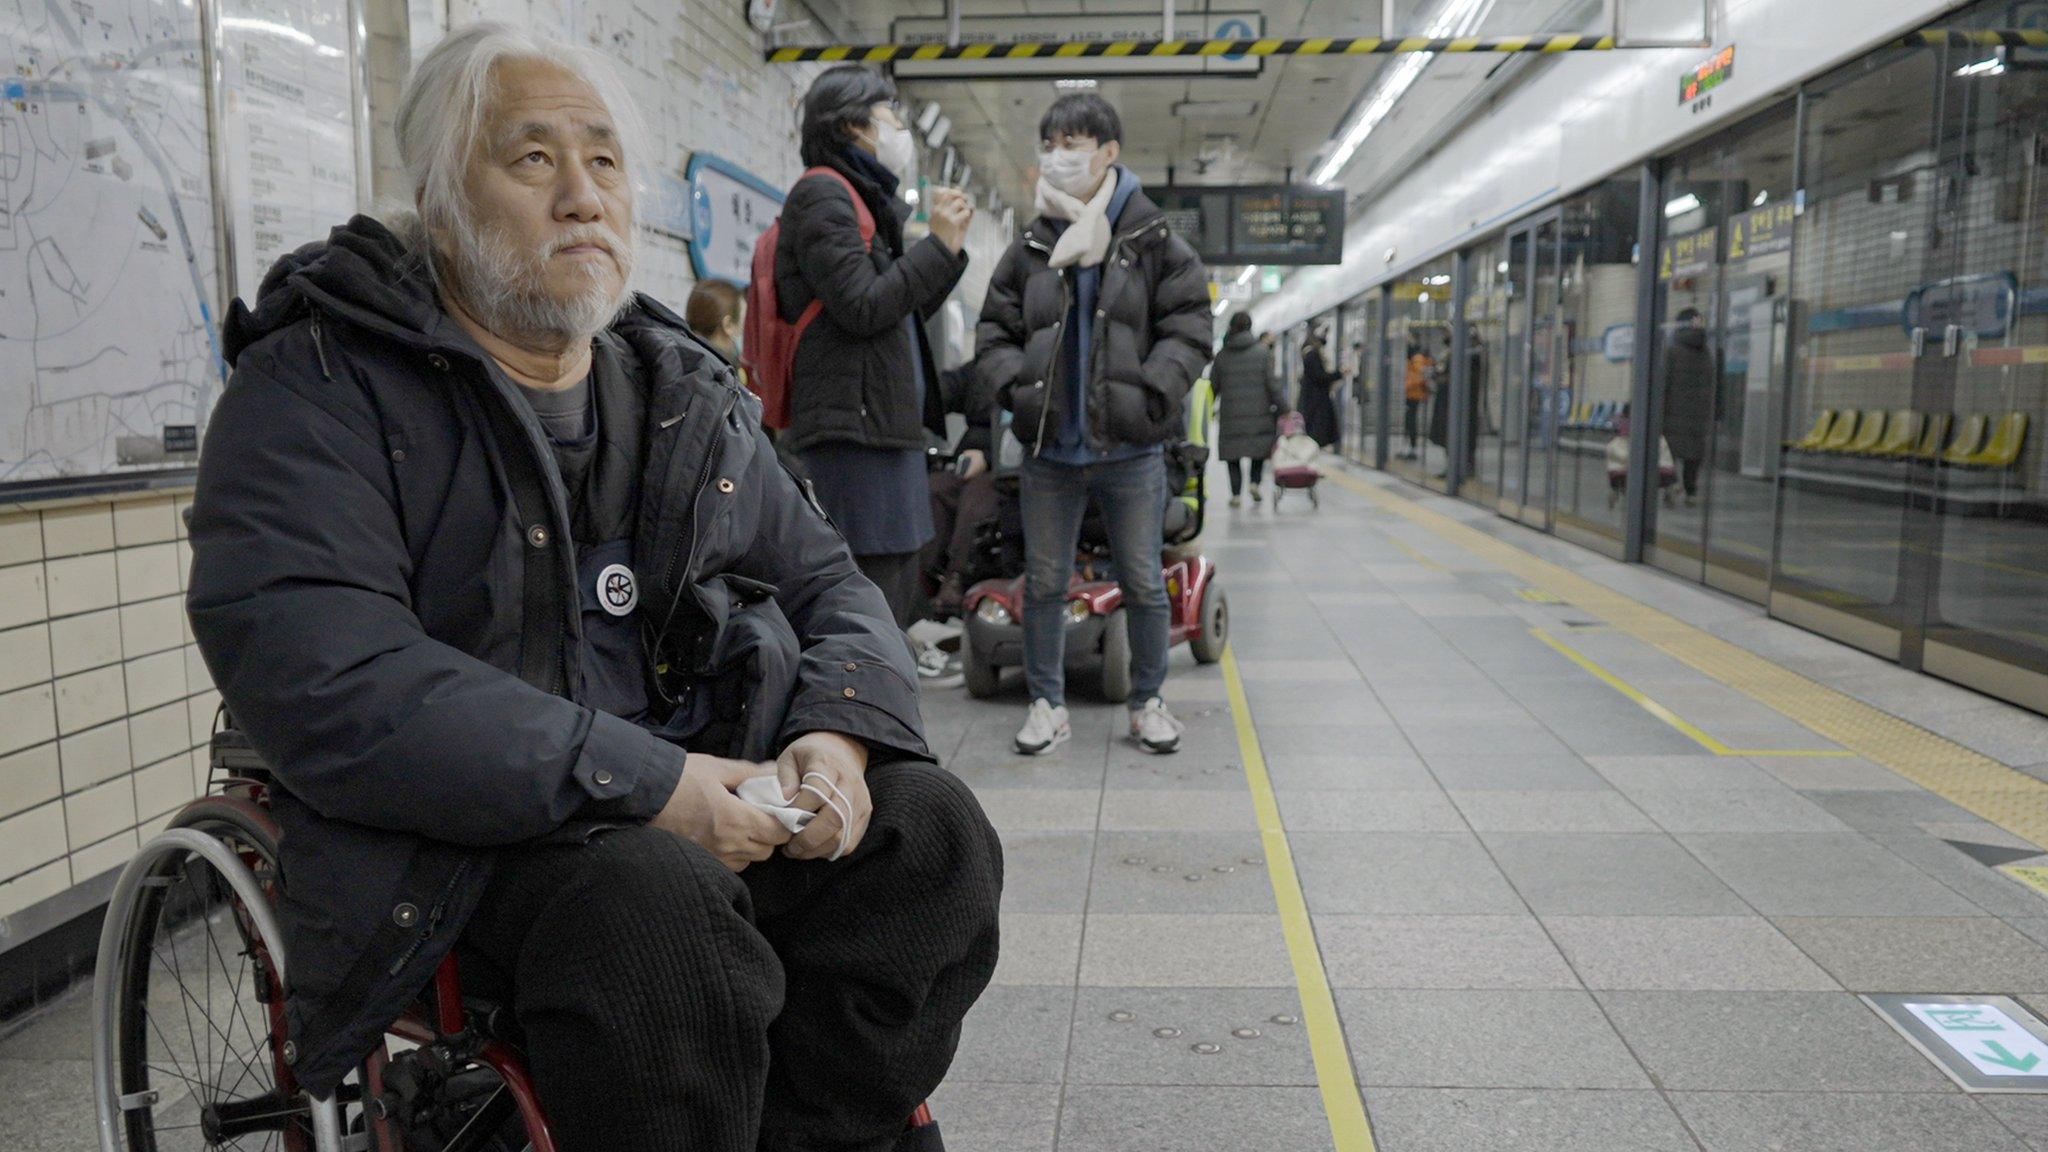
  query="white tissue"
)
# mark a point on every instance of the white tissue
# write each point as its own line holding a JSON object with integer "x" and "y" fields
{"x": 765, "y": 793}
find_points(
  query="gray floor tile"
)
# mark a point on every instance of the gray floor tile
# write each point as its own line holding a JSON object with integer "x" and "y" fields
{"x": 1901, "y": 954}
{"x": 1278, "y": 742}
{"x": 1221, "y": 1036}
{"x": 997, "y": 1117}
{"x": 1378, "y": 772}
{"x": 1478, "y": 739}
{"x": 1435, "y": 1039}
{"x": 1318, "y": 709}
{"x": 1391, "y": 873}
{"x": 1120, "y": 1119}
{"x": 1040, "y": 809}
{"x": 1833, "y": 774}
{"x": 1465, "y": 773}
{"x": 49, "y": 1106}
{"x": 1354, "y": 811}
{"x": 991, "y": 773}
{"x": 1283, "y": 671}
{"x": 61, "y": 1031}
{"x": 1609, "y": 875}
{"x": 2025, "y": 1116}
{"x": 1449, "y": 952}
{"x": 1524, "y": 1120}
{"x": 1131, "y": 770}
{"x": 1889, "y": 810}
{"x": 1153, "y": 810}
{"x": 1509, "y": 810}
{"x": 1016, "y": 1034}
{"x": 1185, "y": 951}
{"x": 1046, "y": 871}
{"x": 1842, "y": 1122}
{"x": 1148, "y": 872}
{"x": 1988, "y": 889}
{"x": 1039, "y": 948}
{"x": 1773, "y": 809}
{"x": 1823, "y": 874}
{"x": 1701, "y": 770}
{"x": 1768, "y": 1042}
{"x": 1685, "y": 953}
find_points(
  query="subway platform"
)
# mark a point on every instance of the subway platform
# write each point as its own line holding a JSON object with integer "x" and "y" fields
{"x": 1478, "y": 841}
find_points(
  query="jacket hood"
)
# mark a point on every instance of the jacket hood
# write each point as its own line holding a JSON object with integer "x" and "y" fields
{"x": 364, "y": 271}
{"x": 1238, "y": 341}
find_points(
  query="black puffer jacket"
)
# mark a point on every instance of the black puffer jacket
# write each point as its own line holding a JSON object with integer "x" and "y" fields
{"x": 1250, "y": 396}
{"x": 384, "y": 589}
{"x": 1152, "y": 333}
{"x": 852, "y": 381}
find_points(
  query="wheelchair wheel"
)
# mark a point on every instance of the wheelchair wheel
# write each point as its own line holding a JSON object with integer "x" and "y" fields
{"x": 1116, "y": 657}
{"x": 188, "y": 1003}
{"x": 1215, "y": 617}
{"x": 984, "y": 679}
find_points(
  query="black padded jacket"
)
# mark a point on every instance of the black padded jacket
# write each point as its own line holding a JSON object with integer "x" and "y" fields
{"x": 384, "y": 588}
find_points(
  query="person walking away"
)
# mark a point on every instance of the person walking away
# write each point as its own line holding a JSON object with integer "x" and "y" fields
{"x": 1095, "y": 326}
{"x": 865, "y": 387}
{"x": 1318, "y": 407}
{"x": 1415, "y": 393}
{"x": 1249, "y": 393}
{"x": 1688, "y": 398}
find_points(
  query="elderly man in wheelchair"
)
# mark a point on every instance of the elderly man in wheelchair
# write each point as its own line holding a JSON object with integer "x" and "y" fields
{"x": 569, "y": 745}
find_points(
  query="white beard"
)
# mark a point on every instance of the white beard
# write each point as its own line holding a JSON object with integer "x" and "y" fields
{"x": 506, "y": 290}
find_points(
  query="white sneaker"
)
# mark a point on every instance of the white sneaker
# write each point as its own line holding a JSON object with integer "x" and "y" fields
{"x": 939, "y": 668}
{"x": 1258, "y": 494}
{"x": 1155, "y": 729}
{"x": 1045, "y": 728}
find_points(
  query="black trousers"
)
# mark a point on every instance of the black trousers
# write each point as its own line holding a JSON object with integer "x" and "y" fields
{"x": 670, "y": 1005}
{"x": 1234, "y": 467}
{"x": 896, "y": 574}
{"x": 1689, "y": 469}
{"x": 1411, "y": 422}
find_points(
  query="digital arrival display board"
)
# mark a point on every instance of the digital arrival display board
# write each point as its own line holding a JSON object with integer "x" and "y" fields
{"x": 1258, "y": 224}
{"x": 1707, "y": 75}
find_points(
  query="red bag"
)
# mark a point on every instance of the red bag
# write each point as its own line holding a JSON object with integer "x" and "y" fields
{"x": 770, "y": 340}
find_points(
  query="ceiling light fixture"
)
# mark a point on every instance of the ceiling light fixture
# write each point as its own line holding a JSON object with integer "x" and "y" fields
{"x": 1076, "y": 84}
{"x": 1680, "y": 206}
{"x": 1455, "y": 18}
{"x": 1250, "y": 270}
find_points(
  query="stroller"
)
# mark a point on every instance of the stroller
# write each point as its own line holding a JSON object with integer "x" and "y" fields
{"x": 1294, "y": 455}
{"x": 1097, "y": 628}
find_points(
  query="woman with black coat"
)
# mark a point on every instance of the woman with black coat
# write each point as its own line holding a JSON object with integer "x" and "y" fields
{"x": 864, "y": 385}
{"x": 1318, "y": 408}
{"x": 1251, "y": 399}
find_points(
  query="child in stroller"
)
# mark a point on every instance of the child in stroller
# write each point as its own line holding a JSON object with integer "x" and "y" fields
{"x": 1294, "y": 455}
{"x": 1096, "y": 626}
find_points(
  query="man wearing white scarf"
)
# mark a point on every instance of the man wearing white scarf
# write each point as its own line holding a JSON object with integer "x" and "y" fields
{"x": 1095, "y": 325}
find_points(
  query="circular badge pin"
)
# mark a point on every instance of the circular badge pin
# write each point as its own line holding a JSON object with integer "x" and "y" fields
{"x": 617, "y": 591}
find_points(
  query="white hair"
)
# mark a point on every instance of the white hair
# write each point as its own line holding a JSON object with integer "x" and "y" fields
{"x": 441, "y": 116}
{"x": 446, "y": 100}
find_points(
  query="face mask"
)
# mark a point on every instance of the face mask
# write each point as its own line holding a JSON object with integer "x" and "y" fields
{"x": 894, "y": 149}
{"x": 1069, "y": 170}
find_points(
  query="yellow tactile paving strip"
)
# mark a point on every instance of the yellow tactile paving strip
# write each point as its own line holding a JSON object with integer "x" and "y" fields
{"x": 2010, "y": 799}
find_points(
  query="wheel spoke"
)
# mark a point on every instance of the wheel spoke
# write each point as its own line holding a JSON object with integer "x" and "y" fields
{"x": 234, "y": 987}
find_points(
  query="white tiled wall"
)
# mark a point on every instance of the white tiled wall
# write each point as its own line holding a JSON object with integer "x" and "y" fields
{"x": 104, "y": 703}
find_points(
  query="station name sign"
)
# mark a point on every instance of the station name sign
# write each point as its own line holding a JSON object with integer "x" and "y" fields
{"x": 1706, "y": 76}
{"x": 1258, "y": 224}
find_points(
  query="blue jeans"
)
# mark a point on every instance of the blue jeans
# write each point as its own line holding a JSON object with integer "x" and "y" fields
{"x": 1132, "y": 497}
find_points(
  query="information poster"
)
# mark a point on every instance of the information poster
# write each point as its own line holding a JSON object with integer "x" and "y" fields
{"x": 290, "y": 127}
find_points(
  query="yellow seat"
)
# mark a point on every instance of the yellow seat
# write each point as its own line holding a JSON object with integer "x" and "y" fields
{"x": 1931, "y": 440}
{"x": 1812, "y": 440}
{"x": 1843, "y": 432}
{"x": 1868, "y": 434}
{"x": 1901, "y": 433}
{"x": 1968, "y": 442}
{"x": 2003, "y": 449}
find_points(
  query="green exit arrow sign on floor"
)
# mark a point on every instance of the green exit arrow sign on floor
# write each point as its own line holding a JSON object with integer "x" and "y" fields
{"x": 1984, "y": 1043}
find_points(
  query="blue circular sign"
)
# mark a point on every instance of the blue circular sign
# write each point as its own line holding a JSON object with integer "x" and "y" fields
{"x": 1234, "y": 29}
{"x": 701, "y": 215}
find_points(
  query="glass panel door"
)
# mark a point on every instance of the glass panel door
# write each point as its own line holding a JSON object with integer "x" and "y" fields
{"x": 1984, "y": 309}
{"x": 1862, "y": 245}
{"x": 1549, "y": 385}
{"x": 1486, "y": 323}
{"x": 1513, "y": 404}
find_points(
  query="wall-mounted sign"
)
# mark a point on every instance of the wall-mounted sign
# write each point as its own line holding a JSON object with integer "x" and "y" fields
{"x": 1138, "y": 25}
{"x": 1706, "y": 76}
{"x": 729, "y": 209}
{"x": 1263, "y": 224}
{"x": 1763, "y": 231}
{"x": 1618, "y": 343}
{"x": 1981, "y": 305}
{"x": 1689, "y": 254}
